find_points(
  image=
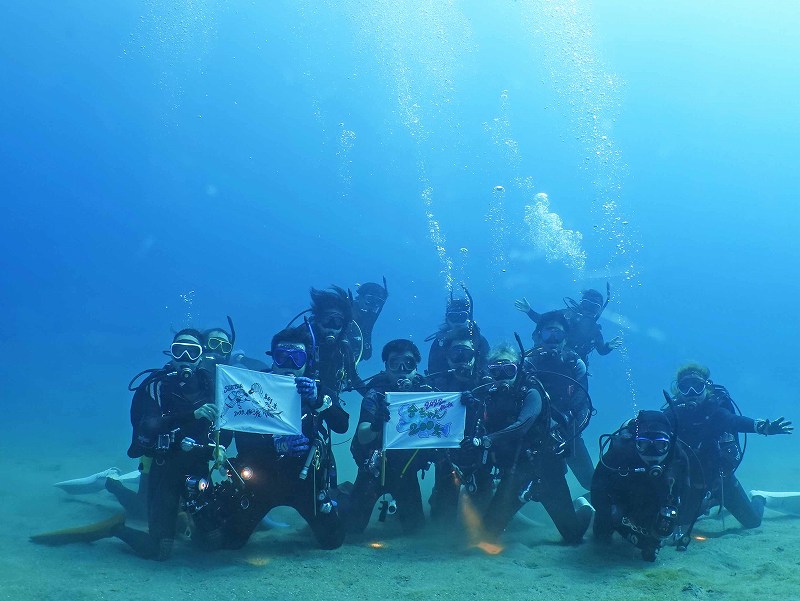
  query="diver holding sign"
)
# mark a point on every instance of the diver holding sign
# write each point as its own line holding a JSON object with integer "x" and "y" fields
{"x": 381, "y": 472}
{"x": 294, "y": 470}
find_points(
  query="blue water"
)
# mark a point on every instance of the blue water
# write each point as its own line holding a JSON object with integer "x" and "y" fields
{"x": 169, "y": 163}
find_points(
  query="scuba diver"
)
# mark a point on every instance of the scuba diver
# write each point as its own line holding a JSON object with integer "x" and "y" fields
{"x": 461, "y": 375}
{"x": 519, "y": 442}
{"x": 331, "y": 314}
{"x": 641, "y": 487}
{"x": 709, "y": 422}
{"x": 217, "y": 345}
{"x": 458, "y": 314}
{"x": 293, "y": 470}
{"x": 584, "y": 333}
{"x": 400, "y": 359}
{"x": 171, "y": 409}
{"x": 367, "y": 306}
{"x": 506, "y": 408}
{"x": 563, "y": 375}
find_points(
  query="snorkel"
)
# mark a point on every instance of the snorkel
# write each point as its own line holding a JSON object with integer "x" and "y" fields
{"x": 233, "y": 331}
{"x": 471, "y": 303}
{"x": 471, "y": 322}
{"x": 346, "y": 326}
{"x": 521, "y": 362}
{"x": 386, "y": 291}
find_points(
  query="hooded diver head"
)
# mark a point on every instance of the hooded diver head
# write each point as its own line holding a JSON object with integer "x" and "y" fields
{"x": 331, "y": 313}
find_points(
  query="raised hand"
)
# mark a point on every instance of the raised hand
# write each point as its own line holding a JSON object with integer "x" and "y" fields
{"x": 522, "y": 304}
{"x": 778, "y": 426}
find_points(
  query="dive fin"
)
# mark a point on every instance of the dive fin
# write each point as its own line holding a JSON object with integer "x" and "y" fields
{"x": 94, "y": 483}
{"x": 784, "y": 502}
{"x": 81, "y": 534}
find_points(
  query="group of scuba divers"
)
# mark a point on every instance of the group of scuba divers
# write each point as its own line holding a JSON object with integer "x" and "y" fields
{"x": 525, "y": 414}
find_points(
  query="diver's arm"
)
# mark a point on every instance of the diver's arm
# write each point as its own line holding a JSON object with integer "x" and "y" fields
{"x": 366, "y": 432}
{"x": 145, "y": 412}
{"x": 740, "y": 423}
{"x": 533, "y": 315}
{"x": 153, "y": 426}
{"x": 336, "y": 417}
{"x": 154, "y": 420}
{"x": 724, "y": 420}
{"x": 531, "y": 409}
{"x": 600, "y": 345}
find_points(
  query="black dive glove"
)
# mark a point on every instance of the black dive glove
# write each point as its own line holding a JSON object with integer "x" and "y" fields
{"x": 468, "y": 399}
{"x": 381, "y": 415}
{"x": 778, "y": 426}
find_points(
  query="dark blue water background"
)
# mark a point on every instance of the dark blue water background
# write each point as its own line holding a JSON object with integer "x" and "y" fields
{"x": 169, "y": 163}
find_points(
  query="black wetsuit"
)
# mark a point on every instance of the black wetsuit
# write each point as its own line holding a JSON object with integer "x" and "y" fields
{"x": 531, "y": 468}
{"x": 450, "y": 464}
{"x": 510, "y": 412}
{"x": 276, "y": 480}
{"x": 365, "y": 319}
{"x": 711, "y": 429}
{"x": 337, "y": 368}
{"x": 643, "y": 504}
{"x": 162, "y": 414}
{"x": 400, "y": 478}
{"x": 563, "y": 375}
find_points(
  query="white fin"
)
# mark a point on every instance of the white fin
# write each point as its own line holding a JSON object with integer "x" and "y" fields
{"x": 784, "y": 502}
{"x": 94, "y": 483}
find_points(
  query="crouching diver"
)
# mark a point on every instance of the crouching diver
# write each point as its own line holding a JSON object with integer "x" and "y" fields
{"x": 641, "y": 486}
{"x": 709, "y": 422}
{"x": 399, "y": 478}
{"x": 297, "y": 471}
{"x": 563, "y": 374}
{"x": 171, "y": 409}
{"x": 217, "y": 347}
{"x": 462, "y": 376}
{"x": 531, "y": 461}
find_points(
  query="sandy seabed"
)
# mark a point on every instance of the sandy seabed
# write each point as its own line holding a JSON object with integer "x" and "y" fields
{"x": 763, "y": 563}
